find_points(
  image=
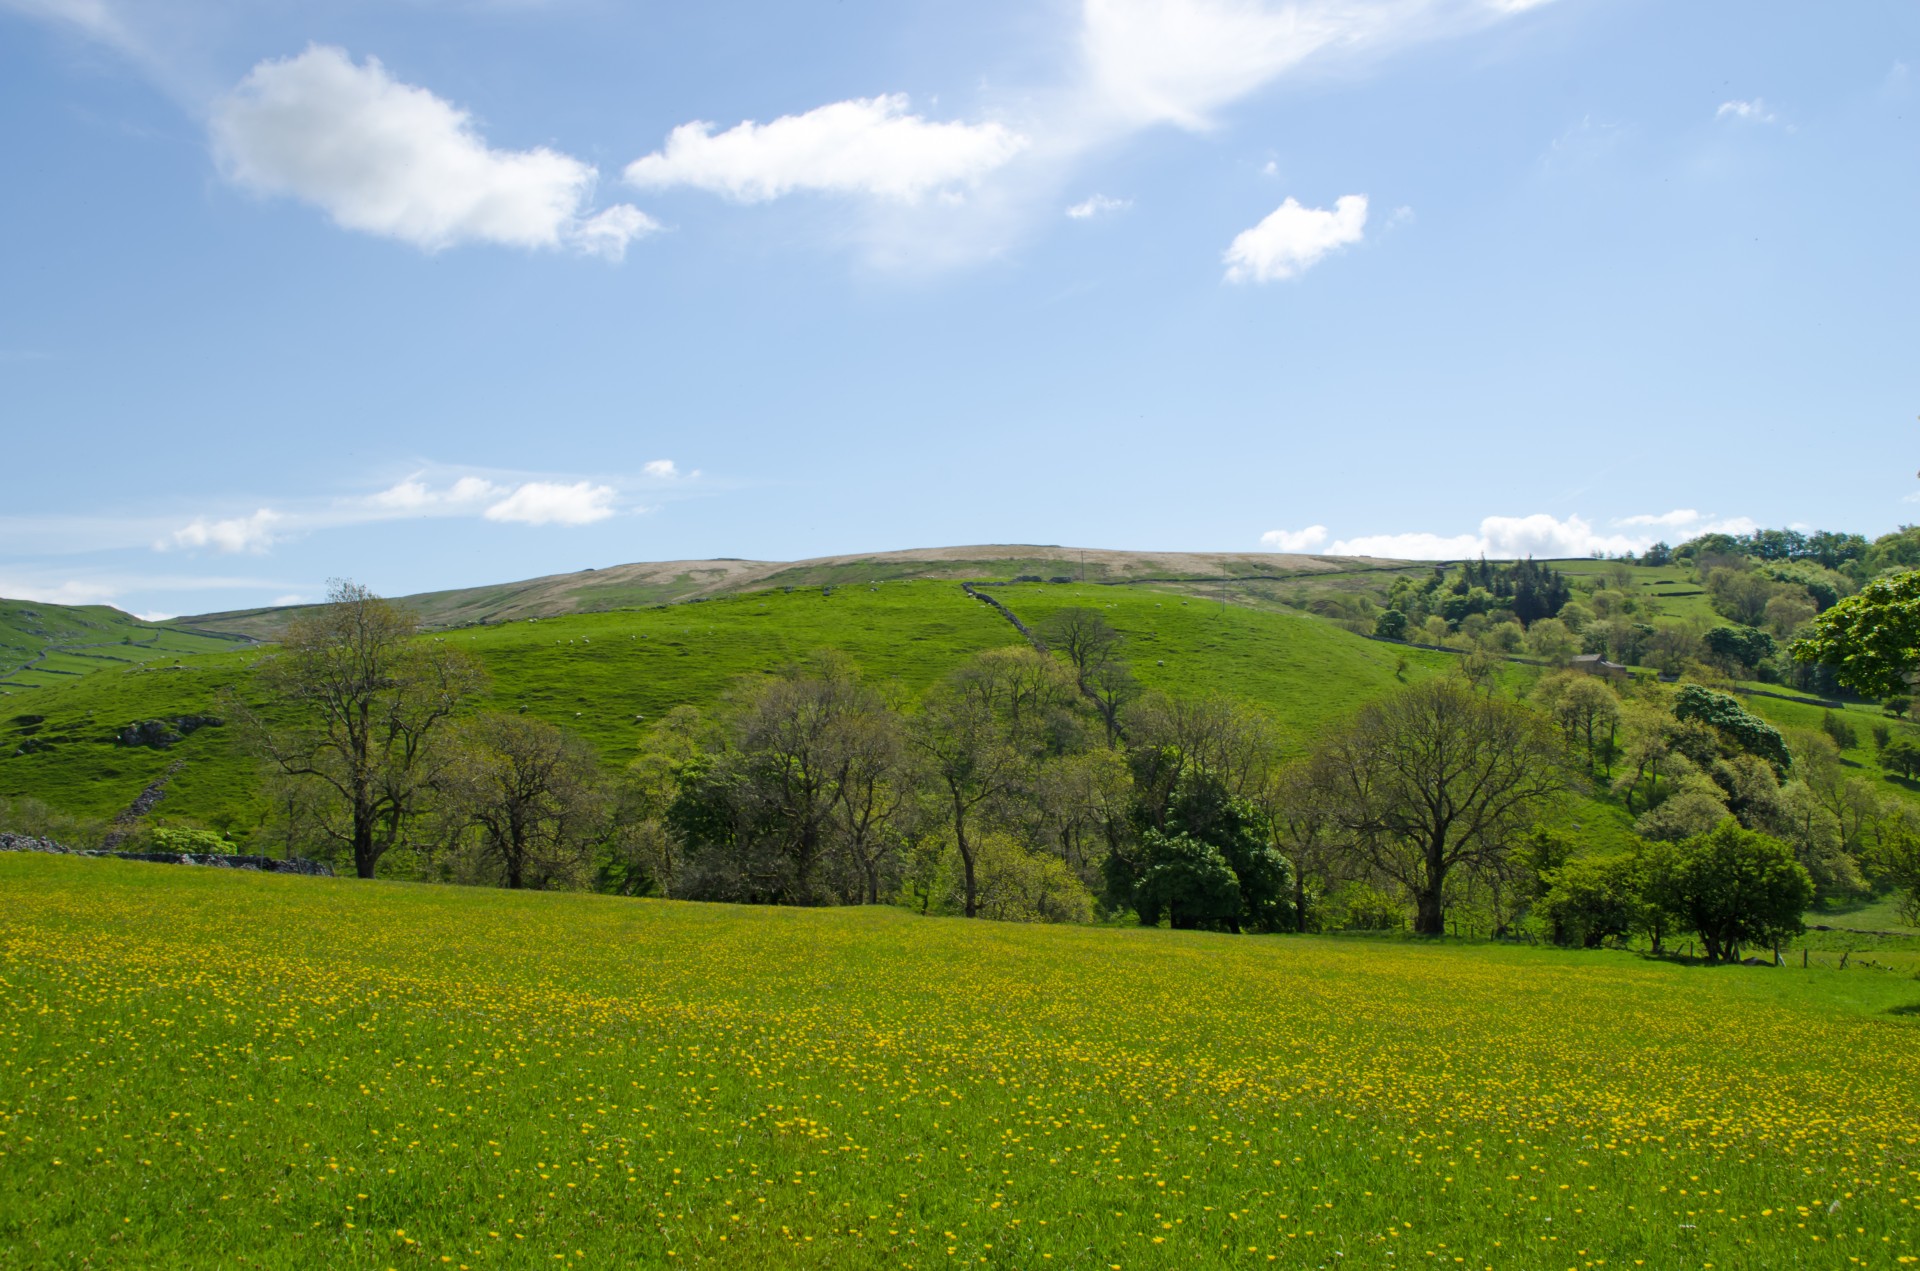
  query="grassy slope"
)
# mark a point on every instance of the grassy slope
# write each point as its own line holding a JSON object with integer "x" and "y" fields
{"x": 598, "y": 672}
{"x": 663, "y": 582}
{"x": 302, "y": 1072}
{"x": 43, "y": 644}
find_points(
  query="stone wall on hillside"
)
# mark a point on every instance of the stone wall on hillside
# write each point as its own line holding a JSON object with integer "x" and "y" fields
{"x": 260, "y": 864}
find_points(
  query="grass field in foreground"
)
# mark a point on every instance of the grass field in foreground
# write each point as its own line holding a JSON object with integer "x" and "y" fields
{"x": 200, "y": 1067}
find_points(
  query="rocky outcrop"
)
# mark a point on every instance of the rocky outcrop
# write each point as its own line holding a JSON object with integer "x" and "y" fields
{"x": 259, "y": 864}
{"x": 158, "y": 734}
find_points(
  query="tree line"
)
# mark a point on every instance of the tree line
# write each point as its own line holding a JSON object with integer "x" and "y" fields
{"x": 1042, "y": 783}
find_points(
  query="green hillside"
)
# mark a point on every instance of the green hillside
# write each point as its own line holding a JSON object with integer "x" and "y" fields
{"x": 1254, "y": 575}
{"x": 42, "y": 644}
{"x": 604, "y": 675}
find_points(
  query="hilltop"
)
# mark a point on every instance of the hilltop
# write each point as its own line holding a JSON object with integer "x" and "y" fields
{"x": 667, "y": 582}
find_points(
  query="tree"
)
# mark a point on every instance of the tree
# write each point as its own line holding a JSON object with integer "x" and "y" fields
{"x": 1188, "y": 881}
{"x": 1588, "y": 713}
{"x": 370, "y": 701}
{"x": 873, "y": 792}
{"x": 1896, "y": 860}
{"x": 1872, "y": 639}
{"x": 1736, "y": 887}
{"x": 1552, "y": 641}
{"x": 1593, "y": 899}
{"x": 1737, "y": 647}
{"x": 1901, "y": 756}
{"x": 979, "y": 734}
{"x": 1204, "y": 810}
{"x": 1733, "y": 722}
{"x": 529, "y": 791}
{"x": 1305, "y": 832}
{"x": 1092, "y": 648}
{"x": 1436, "y": 778}
{"x": 1390, "y": 625}
{"x": 796, "y": 749}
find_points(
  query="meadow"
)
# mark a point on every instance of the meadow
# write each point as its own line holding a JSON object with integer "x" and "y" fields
{"x": 264, "y": 1071}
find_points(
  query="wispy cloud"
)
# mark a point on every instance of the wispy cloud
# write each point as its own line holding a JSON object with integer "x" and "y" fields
{"x": 1754, "y": 111}
{"x": 1097, "y": 205}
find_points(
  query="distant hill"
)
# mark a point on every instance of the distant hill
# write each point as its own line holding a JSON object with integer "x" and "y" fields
{"x": 666, "y": 582}
{"x": 42, "y": 644}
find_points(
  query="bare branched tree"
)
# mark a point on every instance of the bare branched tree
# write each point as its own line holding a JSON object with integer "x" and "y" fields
{"x": 1436, "y": 778}
{"x": 366, "y": 701}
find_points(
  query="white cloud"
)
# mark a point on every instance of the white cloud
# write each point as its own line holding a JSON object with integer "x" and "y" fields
{"x": 1752, "y": 112}
{"x": 1293, "y": 238}
{"x": 871, "y": 146}
{"x": 391, "y": 159}
{"x": 291, "y": 598}
{"x": 551, "y": 503}
{"x": 1675, "y": 519}
{"x": 1500, "y": 538}
{"x": 416, "y": 496}
{"x": 1306, "y": 540}
{"x": 1179, "y": 61}
{"x": 155, "y": 615}
{"x": 662, "y": 468}
{"x": 1097, "y": 205}
{"x": 1685, "y": 523}
{"x": 253, "y": 534}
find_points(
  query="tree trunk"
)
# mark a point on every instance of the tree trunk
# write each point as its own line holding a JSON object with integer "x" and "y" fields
{"x": 1300, "y": 900}
{"x": 966, "y": 853}
{"x": 1430, "y": 917}
{"x": 364, "y": 855}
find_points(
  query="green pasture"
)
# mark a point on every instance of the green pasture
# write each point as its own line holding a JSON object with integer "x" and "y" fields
{"x": 203, "y": 1067}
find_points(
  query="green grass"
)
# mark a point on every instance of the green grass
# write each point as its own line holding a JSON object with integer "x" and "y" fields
{"x": 202, "y": 1067}
{"x": 606, "y": 675}
{"x": 42, "y": 644}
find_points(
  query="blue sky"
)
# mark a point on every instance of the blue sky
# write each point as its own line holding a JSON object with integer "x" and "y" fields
{"x": 433, "y": 294}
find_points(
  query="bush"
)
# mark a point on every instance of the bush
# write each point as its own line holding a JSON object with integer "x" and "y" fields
{"x": 1836, "y": 726}
{"x": 1896, "y": 707}
{"x": 167, "y": 838}
{"x": 1360, "y": 907}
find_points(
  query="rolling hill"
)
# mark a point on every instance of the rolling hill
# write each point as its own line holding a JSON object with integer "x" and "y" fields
{"x": 604, "y": 675}
{"x": 588, "y": 652}
{"x": 42, "y": 644}
{"x": 667, "y": 582}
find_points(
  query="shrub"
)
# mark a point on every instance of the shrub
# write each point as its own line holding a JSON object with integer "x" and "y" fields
{"x": 1837, "y": 726}
{"x": 167, "y": 838}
